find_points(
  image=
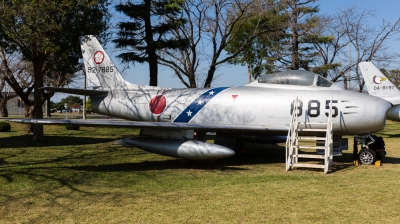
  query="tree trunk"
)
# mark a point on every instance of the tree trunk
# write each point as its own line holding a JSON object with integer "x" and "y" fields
{"x": 29, "y": 113}
{"x": 151, "y": 49}
{"x": 249, "y": 71}
{"x": 3, "y": 107}
{"x": 295, "y": 39}
{"x": 210, "y": 76}
{"x": 192, "y": 79}
{"x": 37, "y": 102}
{"x": 48, "y": 109}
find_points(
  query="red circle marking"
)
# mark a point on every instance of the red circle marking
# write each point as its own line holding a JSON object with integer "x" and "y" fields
{"x": 377, "y": 80}
{"x": 98, "y": 57}
{"x": 157, "y": 104}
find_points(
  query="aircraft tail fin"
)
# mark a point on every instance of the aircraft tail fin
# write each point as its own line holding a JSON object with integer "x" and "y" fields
{"x": 378, "y": 84}
{"x": 101, "y": 72}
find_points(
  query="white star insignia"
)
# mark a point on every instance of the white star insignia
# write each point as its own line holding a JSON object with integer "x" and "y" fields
{"x": 199, "y": 102}
{"x": 189, "y": 113}
{"x": 212, "y": 92}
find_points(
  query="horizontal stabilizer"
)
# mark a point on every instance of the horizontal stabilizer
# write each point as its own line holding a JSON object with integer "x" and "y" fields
{"x": 84, "y": 92}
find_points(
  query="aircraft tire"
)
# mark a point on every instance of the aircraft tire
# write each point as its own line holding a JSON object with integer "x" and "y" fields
{"x": 367, "y": 157}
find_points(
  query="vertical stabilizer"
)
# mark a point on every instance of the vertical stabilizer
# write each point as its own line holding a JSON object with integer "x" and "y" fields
{"x": 378, "y": 84}
{"x": 101, "y": 72}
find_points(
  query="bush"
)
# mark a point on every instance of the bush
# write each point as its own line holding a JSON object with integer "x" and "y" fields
{"x": 72, "y": 127}
{"x": 4, "y": 126}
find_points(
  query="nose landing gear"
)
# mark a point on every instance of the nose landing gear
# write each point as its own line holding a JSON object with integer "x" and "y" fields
{"x": 372, "y": 149}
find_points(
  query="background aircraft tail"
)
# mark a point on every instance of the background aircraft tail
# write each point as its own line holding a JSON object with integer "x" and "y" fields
{"x": 378, "y": 84}
{"x": 101, "y": 72}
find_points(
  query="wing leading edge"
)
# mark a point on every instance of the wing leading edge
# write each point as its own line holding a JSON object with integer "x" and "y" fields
{"x": 84, "y": 92}
{"x": 151, "y": 125}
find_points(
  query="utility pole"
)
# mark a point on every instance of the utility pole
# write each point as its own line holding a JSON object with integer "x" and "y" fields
{"x": 349, "y": 59}
{"x": 84, "y": 97}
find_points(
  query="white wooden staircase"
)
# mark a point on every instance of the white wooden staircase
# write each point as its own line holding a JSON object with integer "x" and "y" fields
{"x": 303, "y": 136}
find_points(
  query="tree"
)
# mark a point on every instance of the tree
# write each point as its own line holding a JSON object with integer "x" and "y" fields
{"x": 142, "y": 37}
{"x": 5, "y": 90}
{"x": 259, "y": 56}
{"x": 393, "y": 76}
{"x": 301, "y": 20}
{"x": 287, "y": 41}
{"x": 46, "y": 33}
{"x": 71, "y": 101}
{"x": 89, "y": 105}
{"x": 211, "y": 26}
{"x": 355, "y": 40}
{"x": 11, "y": 61}
{"x": 5, "y": 95}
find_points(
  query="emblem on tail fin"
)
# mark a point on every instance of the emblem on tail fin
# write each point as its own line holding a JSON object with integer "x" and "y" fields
{"x": 98, "y": 57}
{"x": 378, "y": 79}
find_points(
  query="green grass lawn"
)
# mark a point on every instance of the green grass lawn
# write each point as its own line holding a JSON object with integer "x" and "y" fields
{"x": 82, "y": 177}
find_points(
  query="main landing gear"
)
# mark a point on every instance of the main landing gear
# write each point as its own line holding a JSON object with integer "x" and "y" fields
{"x": 372, "y": 149}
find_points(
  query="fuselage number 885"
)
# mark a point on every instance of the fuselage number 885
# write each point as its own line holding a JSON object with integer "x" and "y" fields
{"x": 314, "y": 107}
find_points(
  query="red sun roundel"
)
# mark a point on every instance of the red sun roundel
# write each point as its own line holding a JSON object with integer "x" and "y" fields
{"x": 157, "y": 104}
{"x": 98, "y": 57}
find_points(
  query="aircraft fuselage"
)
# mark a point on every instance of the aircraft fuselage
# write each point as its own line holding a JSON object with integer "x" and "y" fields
{"x": 353, "y": 113}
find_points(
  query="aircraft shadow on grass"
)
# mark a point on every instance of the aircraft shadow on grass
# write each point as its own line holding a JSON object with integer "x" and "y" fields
{"x": 263, "y": 154}
{"x": 51, "y": 140}
{"x": 268, "y": 155}
{"x": 390, "y": 135}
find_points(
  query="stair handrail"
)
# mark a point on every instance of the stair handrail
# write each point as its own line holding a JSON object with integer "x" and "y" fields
{"x": 291, "y": 133}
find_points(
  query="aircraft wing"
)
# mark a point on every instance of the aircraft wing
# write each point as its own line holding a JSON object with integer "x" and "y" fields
{"x": 85, "y": 92}
{"x": 151, "y": 125}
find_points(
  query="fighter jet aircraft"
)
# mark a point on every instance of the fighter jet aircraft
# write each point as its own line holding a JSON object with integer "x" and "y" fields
{"x": 173, "y": 122}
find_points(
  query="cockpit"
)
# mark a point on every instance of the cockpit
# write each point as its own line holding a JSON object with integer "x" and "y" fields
{"x": 295, "y": 77}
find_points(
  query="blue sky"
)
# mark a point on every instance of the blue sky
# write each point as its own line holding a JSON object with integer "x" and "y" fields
{"x": 232, "y": 75}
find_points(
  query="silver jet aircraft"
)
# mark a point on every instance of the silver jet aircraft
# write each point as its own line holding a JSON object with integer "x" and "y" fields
{"x": 173, "y": 122}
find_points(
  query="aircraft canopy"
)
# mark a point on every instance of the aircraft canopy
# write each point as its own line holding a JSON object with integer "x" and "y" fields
{"x": 295, "y": 77}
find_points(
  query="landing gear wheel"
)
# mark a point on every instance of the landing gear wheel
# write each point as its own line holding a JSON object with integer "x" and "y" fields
{"x": 367, "y": 156}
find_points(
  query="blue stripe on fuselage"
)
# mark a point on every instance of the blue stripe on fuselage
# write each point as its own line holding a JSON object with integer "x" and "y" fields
{"x": 190, "y": 111}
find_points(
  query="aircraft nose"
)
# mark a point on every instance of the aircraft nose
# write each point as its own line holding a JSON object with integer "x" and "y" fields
{"x": 380, "y": 110}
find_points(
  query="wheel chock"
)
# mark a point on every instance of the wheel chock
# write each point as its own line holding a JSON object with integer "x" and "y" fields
{"x": 355, "y": 163}
{"x": 378, "y": 163}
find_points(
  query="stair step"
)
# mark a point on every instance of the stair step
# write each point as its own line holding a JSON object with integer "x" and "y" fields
{"x": 310, "y": 147}
{"x": 311, "y": 156}
{"x": 312, "y": 129}
{"x": 311, "y": 138}
{"x": 306, "y": 123}
{"x": 308, "y": 165}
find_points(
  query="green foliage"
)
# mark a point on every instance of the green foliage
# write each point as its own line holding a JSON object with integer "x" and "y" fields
{"x": 147, "y": 31}
{"x": 393, "y": 76}
{"x": 287, "y": 41}
{"x": 4, "y": 126}
{"x": 269, "y": 27}
{"x": 88, "y": 105}
{"x": 49, "y": 30}
{"x": 72, "y": 127}
{"x": 46, "y": 35}
{"x": 70, "y": 100}
{"x": 323, "y": 69}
